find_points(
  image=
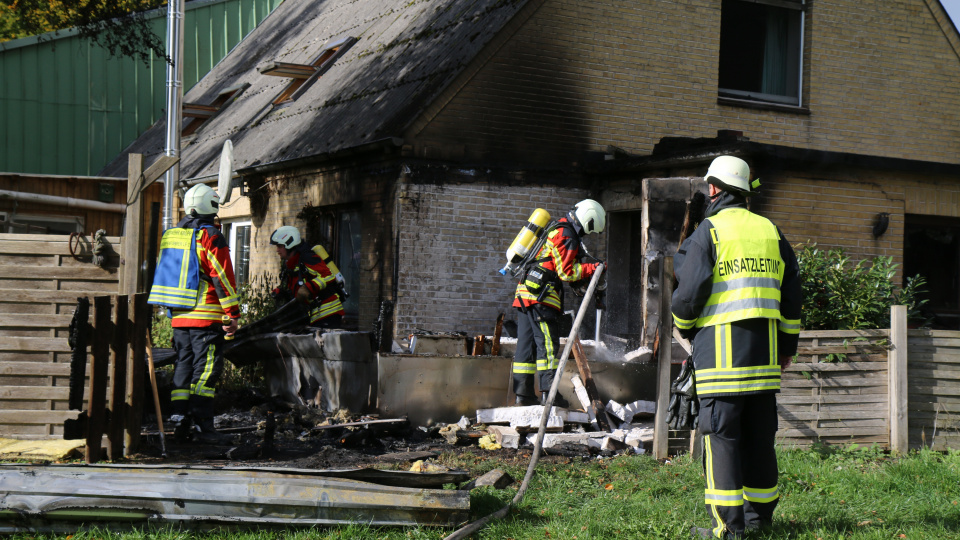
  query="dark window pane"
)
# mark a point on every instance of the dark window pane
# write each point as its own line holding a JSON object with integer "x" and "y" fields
{"x": 759, "y": 52}
{"x": 242, "y": 256}
{"x": 932, "y": 250}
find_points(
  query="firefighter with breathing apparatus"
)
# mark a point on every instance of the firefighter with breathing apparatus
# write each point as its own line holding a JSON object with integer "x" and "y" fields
{"x": 543, "y": 256}
{"x": 309, "y": 275}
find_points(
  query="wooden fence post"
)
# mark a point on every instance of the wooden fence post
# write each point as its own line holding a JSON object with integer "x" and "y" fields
{"x": 139, "y": 322}
{"x": 897, "y": 383}
{"x": 118, "y": 379}
{"x": 661, "y": 432}
{"x": 130, "y": 250}
{"x": 97, "y": 400}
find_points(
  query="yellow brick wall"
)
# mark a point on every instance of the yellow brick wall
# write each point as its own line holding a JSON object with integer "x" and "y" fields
{"x": 880, "y": 78}
{"x": 838, "y": 210}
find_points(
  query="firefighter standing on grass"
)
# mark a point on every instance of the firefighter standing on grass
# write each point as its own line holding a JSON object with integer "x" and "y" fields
{"x": 739, "y": 298}
{"x": 194, "y": 280}
{"x": 309, "y": 275}
{"x": 539, "y": 299}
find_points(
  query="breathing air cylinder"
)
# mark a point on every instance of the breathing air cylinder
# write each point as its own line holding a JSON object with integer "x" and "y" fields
{"x": 526, "y": 239}
{"x": 328, "y": 260}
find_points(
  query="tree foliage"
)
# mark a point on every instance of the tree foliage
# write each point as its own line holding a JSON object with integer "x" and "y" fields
{"x": 118, "y": 26}
{"x": 838, "y": 295}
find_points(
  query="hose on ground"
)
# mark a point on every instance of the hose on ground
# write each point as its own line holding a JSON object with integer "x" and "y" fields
{"x": 475, "y": 526}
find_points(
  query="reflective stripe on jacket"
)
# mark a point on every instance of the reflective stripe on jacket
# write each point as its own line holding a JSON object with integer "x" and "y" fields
{"x": 748, "y": 271}
{"x": 559, "y": 261}
{"x": 738, "y": 297}
{"x": 176, "y": 282}
{"x": 308, "y": 265}
{"x": 218, "y": 287}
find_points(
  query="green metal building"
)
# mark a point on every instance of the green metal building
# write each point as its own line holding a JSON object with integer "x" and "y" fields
{"x": 67, "y": 107}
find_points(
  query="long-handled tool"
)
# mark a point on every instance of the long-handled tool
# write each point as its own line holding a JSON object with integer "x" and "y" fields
{"x": 156, "y": 397}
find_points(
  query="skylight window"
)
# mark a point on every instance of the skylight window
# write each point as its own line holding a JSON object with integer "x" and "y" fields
{"x": 199, "y": 114}
{"x": 304, "y": 75}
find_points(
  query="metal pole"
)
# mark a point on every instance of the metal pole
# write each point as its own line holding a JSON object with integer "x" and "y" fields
{"x": 174, "y": 105}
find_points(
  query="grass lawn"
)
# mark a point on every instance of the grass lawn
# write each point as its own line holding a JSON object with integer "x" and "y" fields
{"x": 826, "y": 493}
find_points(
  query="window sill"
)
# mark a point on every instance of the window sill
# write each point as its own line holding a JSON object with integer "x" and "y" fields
{"x": 762, "y": 105}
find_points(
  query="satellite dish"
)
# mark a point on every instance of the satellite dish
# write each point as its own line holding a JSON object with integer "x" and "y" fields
{"x": 226, "y": 172}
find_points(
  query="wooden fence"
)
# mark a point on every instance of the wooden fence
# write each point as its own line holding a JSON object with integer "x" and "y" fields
{"x": 41, "y": 279}
{"x": 836, "y": 392}
{"x": 895, "y": 388}
{"x": 933, "y": 384}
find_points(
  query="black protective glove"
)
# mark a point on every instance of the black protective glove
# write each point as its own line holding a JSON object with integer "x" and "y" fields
{"x": 280, "y": 297}
{"x": 684, "y": 408}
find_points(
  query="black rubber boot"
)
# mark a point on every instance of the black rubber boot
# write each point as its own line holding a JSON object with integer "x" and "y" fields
{"x": 208, "y": 434}
{"x": 182, "y": 427}
{"x": 558, "y": 401}
{"x": 526, "y": 401}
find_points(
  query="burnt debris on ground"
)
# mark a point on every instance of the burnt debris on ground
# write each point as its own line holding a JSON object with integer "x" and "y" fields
{"x": 266, "y": 433}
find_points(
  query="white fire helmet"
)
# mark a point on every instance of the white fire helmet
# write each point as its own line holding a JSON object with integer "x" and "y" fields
{"x": 202, "y": 200}
{"x": 731, "y": 173}
{"x": 590, "y": 215}
{"x": 286, "y": 236}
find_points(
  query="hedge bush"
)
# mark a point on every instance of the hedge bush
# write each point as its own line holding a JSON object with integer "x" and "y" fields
{"x": 838, "y": 295}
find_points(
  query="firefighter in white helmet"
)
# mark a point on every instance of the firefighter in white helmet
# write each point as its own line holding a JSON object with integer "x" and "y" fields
{"x": 738, "y": 297}
{"x": 310, "y": 275}
{"x": 539, "y": 300}
{"x": 194, "y": 280}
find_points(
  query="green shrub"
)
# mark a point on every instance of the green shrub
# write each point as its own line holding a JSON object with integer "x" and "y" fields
{"x": 838, "y": 295}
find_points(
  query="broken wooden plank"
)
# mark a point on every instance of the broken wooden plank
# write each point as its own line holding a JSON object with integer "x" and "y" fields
{"x": 361, "y": 423}
{"x": 495, "y": 347}
{"x": 399, "y": 457}
{"x": 591, "y": 387}
{"x": 497, "y": 478}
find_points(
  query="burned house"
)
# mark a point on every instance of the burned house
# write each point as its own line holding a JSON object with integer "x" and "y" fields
{"x": 414, "y": 138}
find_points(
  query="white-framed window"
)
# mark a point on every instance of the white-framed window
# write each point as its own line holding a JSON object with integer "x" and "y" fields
{"x": 761, "y": 50}
{"x": 237, "y": 234}
{"x": 38, "y": 224}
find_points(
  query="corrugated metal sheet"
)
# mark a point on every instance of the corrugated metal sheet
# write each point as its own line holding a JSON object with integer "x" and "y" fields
{"x": 406, "y": 54}
{"x": 68, "y": 108}
{"x": 60, "y": 498}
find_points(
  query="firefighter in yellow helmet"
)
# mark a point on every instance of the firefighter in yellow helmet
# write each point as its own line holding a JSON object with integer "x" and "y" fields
{"x": 738, "y": 298}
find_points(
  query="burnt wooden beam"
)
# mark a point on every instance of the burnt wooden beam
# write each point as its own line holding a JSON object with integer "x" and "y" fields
{"x": 97, "y": 399}
{"x": 139, "y": 324}
{"x": 118, "y": 380}
{"x": 599, "y": 411}
{"x": 495, "y": 347}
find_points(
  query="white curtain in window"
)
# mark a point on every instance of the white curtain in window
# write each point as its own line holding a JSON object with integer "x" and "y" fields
{"x": 774, "y": 79}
